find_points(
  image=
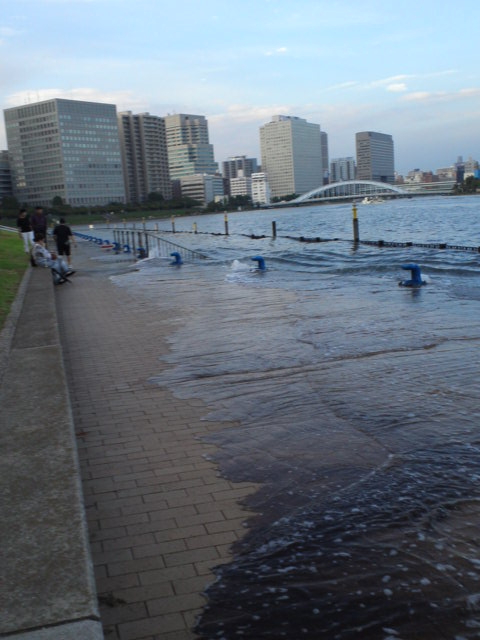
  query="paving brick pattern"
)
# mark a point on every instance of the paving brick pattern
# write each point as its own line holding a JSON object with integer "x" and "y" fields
{"x": 160, "y": 517}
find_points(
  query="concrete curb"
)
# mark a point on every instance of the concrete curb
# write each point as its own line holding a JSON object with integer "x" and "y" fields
{"x": 47, "y": 587}
{"x": 8, "y": 330}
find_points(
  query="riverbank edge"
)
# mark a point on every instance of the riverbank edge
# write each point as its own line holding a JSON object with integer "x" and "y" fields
{"x": 48, "y": 590}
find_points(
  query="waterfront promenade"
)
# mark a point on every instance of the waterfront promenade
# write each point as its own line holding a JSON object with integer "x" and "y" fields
{"x": 159, "y": 516}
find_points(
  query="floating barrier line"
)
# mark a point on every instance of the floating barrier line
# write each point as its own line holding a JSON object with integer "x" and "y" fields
{"x": 141, "y": 242}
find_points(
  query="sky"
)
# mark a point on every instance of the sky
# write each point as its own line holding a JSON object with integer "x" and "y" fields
{"x": 408, "y": 69}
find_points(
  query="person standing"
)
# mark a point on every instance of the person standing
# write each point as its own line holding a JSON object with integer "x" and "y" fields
{"x": 64, "y": 237}
{"x": 25, "y": 230}
{"x": 39, "y": 222}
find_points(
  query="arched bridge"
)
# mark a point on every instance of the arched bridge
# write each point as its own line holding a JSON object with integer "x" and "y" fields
{"x": 370, "y": 188}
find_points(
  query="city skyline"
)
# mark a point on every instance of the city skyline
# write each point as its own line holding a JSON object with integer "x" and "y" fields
{"x": 408, "y": 71}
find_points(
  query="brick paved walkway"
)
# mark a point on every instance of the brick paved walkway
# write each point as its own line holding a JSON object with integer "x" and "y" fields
{"x": 159, "y": 516}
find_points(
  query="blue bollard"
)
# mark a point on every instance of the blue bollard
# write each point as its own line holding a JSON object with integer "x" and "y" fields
{"x": 260, "y": 262}
{"x": 178, "y": 258}
{"x": 416, "y": 279}
{"x": 126, "y": 248}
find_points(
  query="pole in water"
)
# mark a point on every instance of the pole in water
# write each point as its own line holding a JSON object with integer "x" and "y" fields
{"x": 260, "y": 262}
{"x": 195, "y": 227}
{"x": 226, "y": 224}
{"x": 173, "y": 224}
{"x": 356, "y": 235}
{"x": 416, "y": 279}
{"x": 274, "y": 229}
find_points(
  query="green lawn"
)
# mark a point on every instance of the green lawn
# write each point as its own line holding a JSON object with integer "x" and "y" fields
{"x": 13, "y": 262}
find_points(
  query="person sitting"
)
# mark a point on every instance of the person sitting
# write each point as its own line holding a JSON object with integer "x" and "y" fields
{"x": 43, "y": 258}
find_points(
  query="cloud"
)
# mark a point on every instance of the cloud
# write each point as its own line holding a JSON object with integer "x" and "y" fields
{"x": 125, "y": 100}
{"x": 432, "y": 97}
{"x": 397, "y": 87}
{"x": 275, "y": 52}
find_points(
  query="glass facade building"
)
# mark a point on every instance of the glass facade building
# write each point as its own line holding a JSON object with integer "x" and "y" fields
{"x": 189, "y": 150}
{"x": 375, "y": 157}
{"x": 65, "y": 148}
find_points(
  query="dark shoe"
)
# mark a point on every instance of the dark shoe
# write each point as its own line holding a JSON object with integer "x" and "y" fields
{"x": 70, "y": 273}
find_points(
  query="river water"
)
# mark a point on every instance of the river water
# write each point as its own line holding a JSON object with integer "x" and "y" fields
{"x": 353, "y": 402}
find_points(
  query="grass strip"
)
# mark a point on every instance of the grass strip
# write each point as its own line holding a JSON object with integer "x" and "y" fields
{"x": 13, "y": 263}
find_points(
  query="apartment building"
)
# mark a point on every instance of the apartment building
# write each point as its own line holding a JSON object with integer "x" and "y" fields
{"x": 143, "y": 143}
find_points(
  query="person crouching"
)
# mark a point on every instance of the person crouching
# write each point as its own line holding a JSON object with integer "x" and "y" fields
{"x": 44, "y": 258}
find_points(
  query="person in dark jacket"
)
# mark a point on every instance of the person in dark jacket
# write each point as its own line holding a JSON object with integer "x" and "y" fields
{"x": 38, "y": 220}
{"x": 25, "y": 230}
{"x": 64, "y": 237}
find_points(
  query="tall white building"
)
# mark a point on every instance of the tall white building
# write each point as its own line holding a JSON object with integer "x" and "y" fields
{"x": 291, "y": 151}
{"x": 65, "y": 148}
{"x": 342, "y": 169}
{"x": 189, "y": 149}
{"x": 144, "y": 156}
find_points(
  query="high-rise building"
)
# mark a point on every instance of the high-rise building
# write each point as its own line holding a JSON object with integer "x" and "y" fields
{"x": 324, "y": 143}
{"x": 204, "y": 188}
{"x": 189, "y": 150}
{"x": 375, "y": 158}
{"x": 233, "y": 165}
{"x": 65, "y": 148}
{"x": 5, "y": 176}
{"x": 342, "y": 169}
{"x": 144, "y": 156}
{"x": 291, "y": 155}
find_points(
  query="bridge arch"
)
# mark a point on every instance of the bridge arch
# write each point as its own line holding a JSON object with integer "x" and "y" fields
{"x": 350, "y": 189}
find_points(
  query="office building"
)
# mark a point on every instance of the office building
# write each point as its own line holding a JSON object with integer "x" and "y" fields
{"x": 375, "y": 157}
{"x": 241, "y": 185}
{"x": 5, "y": 176}
{"x": 189, "y": 150}
{"x": 204, "y": 188}
{"x": 291, "y": 151}
{"x": 65, "y": 148}
{"x": 144, "y": 156}
{"x": 325, "y": 163}
{"x": 260, "y": 189}
{"x": 342, "y": 169}
{"x": 236, "y": 166}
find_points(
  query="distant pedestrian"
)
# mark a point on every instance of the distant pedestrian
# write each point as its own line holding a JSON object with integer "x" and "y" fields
{"x": 25, "y": 230}
{"x": 38, "y": 221}
{"x": 64, "y": 237}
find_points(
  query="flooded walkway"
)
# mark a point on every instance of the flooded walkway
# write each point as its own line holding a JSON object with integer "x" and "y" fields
{"x": 159, "y": 516}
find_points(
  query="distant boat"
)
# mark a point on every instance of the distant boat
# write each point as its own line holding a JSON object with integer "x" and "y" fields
{"x": 372, "y": 200}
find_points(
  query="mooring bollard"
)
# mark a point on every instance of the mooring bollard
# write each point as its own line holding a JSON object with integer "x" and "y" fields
{"x": 274, "y": 229}
{"x": 416, "y": 279}
{"x": 260, "y": 262}
{"x": 356, "y": 235}
{"x": 177, "y": 258}
{"x": 226, "y": 224}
